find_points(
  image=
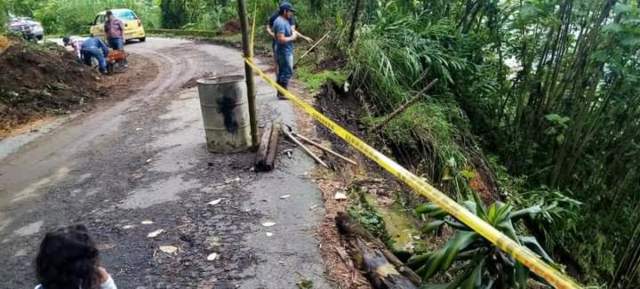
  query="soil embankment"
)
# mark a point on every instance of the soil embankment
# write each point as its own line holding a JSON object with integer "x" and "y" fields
{"x": 41, "y": 80}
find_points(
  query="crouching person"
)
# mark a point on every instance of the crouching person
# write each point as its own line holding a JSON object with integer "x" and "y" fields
{"x": 93, "y": 47}
{"x": 69, "y": 259}
{"x": 76, "y": 45}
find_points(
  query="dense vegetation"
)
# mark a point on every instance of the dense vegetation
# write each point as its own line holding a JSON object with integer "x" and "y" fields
{"x": 540, "y": 96}
{"x": 548, "y": 87}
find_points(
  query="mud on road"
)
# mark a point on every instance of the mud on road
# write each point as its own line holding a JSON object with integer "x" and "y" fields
{"x": 140, "y": 165}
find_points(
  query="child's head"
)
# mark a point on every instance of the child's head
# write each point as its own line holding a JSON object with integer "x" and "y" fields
{"x": 68, "y": 258}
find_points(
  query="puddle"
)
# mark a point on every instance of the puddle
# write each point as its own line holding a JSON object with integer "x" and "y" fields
{"x": 160, "y": 192}
{"x": 29, "y": 230}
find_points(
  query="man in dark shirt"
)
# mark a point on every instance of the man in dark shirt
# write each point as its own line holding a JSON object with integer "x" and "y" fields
{"x": 114, "y": 29}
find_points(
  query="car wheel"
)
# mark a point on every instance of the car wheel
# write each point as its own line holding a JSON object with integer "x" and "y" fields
{"x": 143, "y": 39}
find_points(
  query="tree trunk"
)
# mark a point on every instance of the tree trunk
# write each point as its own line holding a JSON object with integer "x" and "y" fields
{"x": 354, "y": 21}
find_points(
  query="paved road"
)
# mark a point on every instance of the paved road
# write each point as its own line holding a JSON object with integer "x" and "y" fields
{"x": 144, "y": 158}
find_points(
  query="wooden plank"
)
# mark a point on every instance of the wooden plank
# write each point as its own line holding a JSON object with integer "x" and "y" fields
{"x": 272, "y": 151}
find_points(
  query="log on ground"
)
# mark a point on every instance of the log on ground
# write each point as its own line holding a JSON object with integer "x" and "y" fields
{"x": 381, "y": 267}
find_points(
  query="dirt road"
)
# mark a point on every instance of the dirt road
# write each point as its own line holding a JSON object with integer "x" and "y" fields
{"x": 144, "y": 159}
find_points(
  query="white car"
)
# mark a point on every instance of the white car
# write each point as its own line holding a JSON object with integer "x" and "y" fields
{"x": 29, "y": 28}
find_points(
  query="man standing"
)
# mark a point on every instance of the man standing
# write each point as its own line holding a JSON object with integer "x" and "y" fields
{"x": 292, "y": 22}
{"x": 93, "y": 47}
{"x": 285, "y": 35}
{"x": 114, "y": 29}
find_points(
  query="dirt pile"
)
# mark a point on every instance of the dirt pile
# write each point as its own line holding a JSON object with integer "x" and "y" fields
{"x": 231, "y": 27}
{"x": 39, "y": 80}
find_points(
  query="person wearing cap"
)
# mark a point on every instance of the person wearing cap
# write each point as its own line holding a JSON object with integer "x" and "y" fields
{"x": 285, "y": 35}
{"x": 269, "y": 28}
{"x": 75, "y": 43}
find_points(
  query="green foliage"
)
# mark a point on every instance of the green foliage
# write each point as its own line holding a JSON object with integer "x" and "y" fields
{"x": 478, "y": 263}
{"x": 3, "y": 16}
{"x": 315, "y": 80}
{"x": 551, "y": 87}
{"x": 75, "y": 16}
{"x": 367, "y": 216}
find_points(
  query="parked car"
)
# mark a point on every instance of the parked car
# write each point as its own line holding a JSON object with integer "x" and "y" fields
{"x": 133, "y": 28}
{"x": 27, "y": 27}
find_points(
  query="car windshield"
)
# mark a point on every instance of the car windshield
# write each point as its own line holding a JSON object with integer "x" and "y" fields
{"x": 126, "y": 15}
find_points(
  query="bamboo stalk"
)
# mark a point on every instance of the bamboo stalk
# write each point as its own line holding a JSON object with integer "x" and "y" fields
{"x": 306, "y": 149}
{"x": 404, "y": 106}
{"x": 251, "y": 88}
{"x": 313, "y": 46}
{"x": 326, "y": 149}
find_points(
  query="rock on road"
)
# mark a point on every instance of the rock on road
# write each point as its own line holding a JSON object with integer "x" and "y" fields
{"x": 140, "y": 165}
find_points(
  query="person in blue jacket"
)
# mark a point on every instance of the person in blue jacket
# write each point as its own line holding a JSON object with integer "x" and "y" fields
{"x": 93, "y": 47}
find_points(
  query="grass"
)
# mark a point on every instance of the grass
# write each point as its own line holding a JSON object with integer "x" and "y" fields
{"x": 314, "y": 80}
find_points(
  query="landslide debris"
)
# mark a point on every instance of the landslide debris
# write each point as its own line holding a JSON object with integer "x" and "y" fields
{"x": 38, "y": 80}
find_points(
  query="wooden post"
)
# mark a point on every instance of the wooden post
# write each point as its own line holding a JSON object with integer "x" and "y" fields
{"x": 251, "y": 88}
{"x": 354, "y": 21}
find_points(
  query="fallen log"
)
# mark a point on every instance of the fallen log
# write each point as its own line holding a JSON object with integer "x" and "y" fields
{"x": 384, "y": 270}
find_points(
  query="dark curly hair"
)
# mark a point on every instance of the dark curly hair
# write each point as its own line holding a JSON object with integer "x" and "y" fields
{"x": 68, "y": 259}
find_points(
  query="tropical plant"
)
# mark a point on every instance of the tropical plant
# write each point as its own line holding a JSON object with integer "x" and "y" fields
{"x": 478, "y": 263}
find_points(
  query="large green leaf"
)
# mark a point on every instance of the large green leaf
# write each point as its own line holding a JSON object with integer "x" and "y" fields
{"x": 533, "y": 244}
{"x": 474, "y": 280}
{"x": 432, "y": 226}
{"x": 459, "y": 242}
{"x": 435, "y": 286}
{"x": 431, "y": 210}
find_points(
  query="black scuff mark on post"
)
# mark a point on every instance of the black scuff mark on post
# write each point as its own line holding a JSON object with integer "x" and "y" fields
{"x": 226, "y": 105}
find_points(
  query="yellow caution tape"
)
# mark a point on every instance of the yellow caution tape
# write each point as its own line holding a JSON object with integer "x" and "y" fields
{"x": 524, "y": 255}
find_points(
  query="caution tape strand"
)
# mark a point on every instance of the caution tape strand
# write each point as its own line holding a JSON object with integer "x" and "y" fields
{"x": 522, "y": 254}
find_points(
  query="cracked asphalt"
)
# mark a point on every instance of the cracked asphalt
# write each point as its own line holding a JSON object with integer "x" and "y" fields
{"x": 144, "y": 159}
